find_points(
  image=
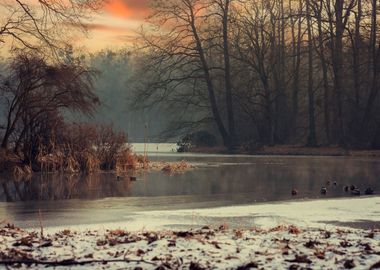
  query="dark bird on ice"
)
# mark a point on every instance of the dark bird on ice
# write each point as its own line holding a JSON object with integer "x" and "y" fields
{"x": 355, "y": 192}
{"x": 369, "y": 191}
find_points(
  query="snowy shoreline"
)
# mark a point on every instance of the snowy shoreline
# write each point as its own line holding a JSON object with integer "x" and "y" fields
{"x": 362, "y": 213}
{"x": 281, "y": 247}
{"x": 286, "y": 235}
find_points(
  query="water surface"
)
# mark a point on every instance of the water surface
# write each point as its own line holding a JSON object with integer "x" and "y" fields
{"x": 217, "y": 180}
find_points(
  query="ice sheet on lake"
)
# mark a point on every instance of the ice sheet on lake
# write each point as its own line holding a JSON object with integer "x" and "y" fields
{"x": 312, "y": 214}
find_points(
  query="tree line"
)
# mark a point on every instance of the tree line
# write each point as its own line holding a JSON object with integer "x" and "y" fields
{"x": 265, "y": 72}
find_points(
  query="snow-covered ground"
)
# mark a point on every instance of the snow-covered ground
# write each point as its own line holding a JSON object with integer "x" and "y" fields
{"x": 357, "y": 212}
{"x": 283, "y": 247}
{"x": 286, "y": 235}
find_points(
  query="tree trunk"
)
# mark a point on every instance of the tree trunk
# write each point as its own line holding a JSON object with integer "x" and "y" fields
{"x": 281, "y": 104}
{"x": 227, "y": 77}
{"x": 209, "y": 83}
{"x": 312, "y": 138}
{"x": 373, "y": 69}
{"x": 326, "y": 87}
{"x": 296, "y": 50}
{"x": 356, "y": 54}
{"x": 337, "y": 60}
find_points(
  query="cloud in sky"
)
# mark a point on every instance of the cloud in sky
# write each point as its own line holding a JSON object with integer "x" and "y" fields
{"x": 103, "y": 27}
{"x": 128, "y": 9}
{"x": 116, "y": 26}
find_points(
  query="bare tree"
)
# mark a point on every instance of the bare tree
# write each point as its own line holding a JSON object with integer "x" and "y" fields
{"x": 34, "y": 88}
{"x": 243, "y": 62}
{"x": 224, "y": 7}
{"x": 318, "y": 11}
{"x": 373, "y": 67}
{"x": 182, "y": 55}
{"x": 253, "y": 49}
{"x": 339, "y": 14}
{"x": 312, "y": 137}
{"x": 44, "y": 23}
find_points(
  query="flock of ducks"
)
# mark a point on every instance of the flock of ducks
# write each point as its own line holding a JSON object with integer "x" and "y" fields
{"x": 354, "y": 190}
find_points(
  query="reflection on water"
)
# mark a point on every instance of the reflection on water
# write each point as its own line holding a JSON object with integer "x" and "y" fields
{"x": 46, "y": 187}
{"x": 239, "y": 179}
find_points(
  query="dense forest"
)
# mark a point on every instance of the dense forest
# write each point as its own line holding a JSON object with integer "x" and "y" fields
{"x": 266, "y": 72}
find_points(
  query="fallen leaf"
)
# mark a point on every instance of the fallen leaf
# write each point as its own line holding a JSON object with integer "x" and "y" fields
{"x": 349, "y": 264}
{"x": 375, "y": 266}
{"x": 184, "y": 234}
{"x": 300, "y": 259}
{"x": 248, "y": 266}
{"x": 196, "y": 266}
{"x": 216, "y": 244}
{"x": 47, "y": 243}
{"x": 311, "y": 244}
{"x": 101, "y": 242}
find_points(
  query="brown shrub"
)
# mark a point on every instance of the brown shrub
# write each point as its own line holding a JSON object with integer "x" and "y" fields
{"x": 127, "y": 160}
{"x": 85, "y": 148}
{"x": 10, "y": 164}
{"x": 177, "y": 167}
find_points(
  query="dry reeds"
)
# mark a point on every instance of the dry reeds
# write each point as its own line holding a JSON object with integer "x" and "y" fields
{"x": 18, "y": 170}
{"x": 178, "y": 167}
{"x": 127, "y": 160}
{"x": 10, "y": 164}
{"x": 85, "y": 148}
{"x": 88, "y": 162}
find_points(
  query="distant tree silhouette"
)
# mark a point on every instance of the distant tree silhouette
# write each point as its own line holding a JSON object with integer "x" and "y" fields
{"x": 273, "y": 72}
{"x": 35, "y": 92}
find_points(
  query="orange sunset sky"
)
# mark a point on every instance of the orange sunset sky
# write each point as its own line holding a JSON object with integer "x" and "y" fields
{"x": 115, "y": 25}
{"x": 112, "y": 27}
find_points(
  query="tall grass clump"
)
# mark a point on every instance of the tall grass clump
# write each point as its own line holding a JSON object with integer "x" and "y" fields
{"x": 87, "y": 148}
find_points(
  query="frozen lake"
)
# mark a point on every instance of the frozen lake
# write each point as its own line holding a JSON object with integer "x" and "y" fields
{"x": 217, "y": 181}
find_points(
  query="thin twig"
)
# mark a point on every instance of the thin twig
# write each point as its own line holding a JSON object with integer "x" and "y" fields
{"x": 40, "y": 221}
{"x": 70, "y": 262}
